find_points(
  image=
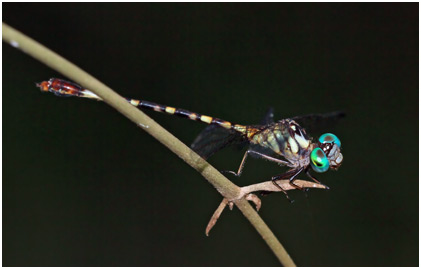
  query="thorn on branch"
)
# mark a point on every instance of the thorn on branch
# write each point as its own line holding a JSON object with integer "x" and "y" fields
{"x": 216, "y": 215}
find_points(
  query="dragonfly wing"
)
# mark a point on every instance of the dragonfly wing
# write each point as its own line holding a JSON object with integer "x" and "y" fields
{"x": 262, "y": 150}
{"x": 268, "y": 118}
{"x": 317, "y": 123}
{"x": 214, "y": 138}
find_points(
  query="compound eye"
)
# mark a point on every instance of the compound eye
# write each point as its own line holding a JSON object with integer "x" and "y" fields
{"x": 329, "y": 138}
{"x": 319, "y": 161}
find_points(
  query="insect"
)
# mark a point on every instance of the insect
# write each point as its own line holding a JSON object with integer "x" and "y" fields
{"x": 284, "y": 142}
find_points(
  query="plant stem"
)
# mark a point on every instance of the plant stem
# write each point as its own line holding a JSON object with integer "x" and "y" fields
{"x": 221, "y": 183}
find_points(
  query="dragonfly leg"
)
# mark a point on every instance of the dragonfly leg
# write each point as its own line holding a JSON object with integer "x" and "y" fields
{"x": 263, "y": 156}
{"x": 313, "y": 178}
{"x": 288, "y": 175}
{"x": 240, "y": 169}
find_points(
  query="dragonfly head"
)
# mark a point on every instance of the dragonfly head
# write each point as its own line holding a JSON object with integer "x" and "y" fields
{"x": 327, "y": 154}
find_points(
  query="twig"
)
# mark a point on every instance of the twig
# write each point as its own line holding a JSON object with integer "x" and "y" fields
{"x": 222, "y": 184}
{"x": 269, "y": 186}
{"x": 246, "y": 192}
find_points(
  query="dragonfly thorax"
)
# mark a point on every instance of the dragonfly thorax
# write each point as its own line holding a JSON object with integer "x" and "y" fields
{"x": 286, "y": 139}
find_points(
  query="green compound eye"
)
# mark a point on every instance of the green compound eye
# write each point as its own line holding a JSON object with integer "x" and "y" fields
{"x": 329, "y": 138}
{"x": 318, "y": 160}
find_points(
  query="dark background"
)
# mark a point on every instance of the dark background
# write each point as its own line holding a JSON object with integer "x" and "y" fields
{"x": 83, "y": 186}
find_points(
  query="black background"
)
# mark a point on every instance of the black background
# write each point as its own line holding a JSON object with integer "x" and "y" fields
{"x": 83, "y": 186}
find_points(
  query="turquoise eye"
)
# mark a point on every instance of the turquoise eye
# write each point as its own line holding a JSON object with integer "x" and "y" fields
{"x": 318, "y": 160}
{"x": 329, "y": 138}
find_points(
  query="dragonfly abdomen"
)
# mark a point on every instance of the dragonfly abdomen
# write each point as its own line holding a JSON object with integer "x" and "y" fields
{"x": 65, "y": 88}
{"x": 183, "y": 113}
{"x": 188, "y": 115}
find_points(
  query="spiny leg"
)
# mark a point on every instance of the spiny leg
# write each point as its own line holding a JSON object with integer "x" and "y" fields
{"x": 313, "y": 178}
{"x": 263, "y": 156}
{"x": 288, "y": 175}
{"x": 240, "y": 169}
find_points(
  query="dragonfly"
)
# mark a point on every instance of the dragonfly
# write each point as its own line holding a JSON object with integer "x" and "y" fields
{"x": 283, "y": 142}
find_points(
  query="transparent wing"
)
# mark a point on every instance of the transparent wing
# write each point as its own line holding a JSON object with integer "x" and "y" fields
{"x": 317, "y": 123}
{"x": 214, "y": 138}
{"x": 268, "y": 118}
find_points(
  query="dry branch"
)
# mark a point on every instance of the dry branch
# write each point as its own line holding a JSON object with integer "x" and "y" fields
{"x": 246, "y": 192}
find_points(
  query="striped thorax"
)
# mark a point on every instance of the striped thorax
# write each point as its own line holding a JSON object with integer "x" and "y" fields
{"x": 287, "y": 139}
